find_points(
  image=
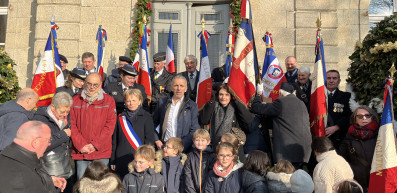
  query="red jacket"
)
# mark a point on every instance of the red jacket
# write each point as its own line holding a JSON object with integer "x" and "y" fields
{"x": 93, "y": 124}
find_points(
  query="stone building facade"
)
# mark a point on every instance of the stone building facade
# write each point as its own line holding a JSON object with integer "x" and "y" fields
{"x": 292, "y": 23}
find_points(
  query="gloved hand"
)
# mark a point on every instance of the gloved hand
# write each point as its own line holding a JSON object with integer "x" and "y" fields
{"x": 226, "y": 80}
{"x": 259, "y": 88}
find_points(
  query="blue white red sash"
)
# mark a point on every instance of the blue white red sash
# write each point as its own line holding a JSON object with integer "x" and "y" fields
{"x": 129, "y": 132}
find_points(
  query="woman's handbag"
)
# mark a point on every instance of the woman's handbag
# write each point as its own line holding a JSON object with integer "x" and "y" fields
{"x": 58, "y": 164}
{"x": 240, "y": 135}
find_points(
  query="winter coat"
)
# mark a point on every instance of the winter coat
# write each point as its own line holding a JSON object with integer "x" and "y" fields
{"x": 218, "y": 75}
{"x": 22, "y": 172}
{"x": 339, "y": 116}
{"x": 191, "y": 171}
{"x": 361, "y": 162}
{"x": 187, "y": 121}
{"x": 302, "y": 94}
{"x": 149, "y": 181}
{"x": 122, "y": 151}
{"x": 171, "y": 169}
{"x": 255, "y": 133}
{"x": 93, "y": 123}
{"x": 68, "y": 90}
{"x": 253, "y": 183}
{"x": 232, "y": 183}
{"x": 115, "y": 89}
{"x": 278, "y": 182}
{"x": 114, "y": 77}
{"x": 291, "y": 129}
{"x": 161, "y": 86}
{"x": 331, "y": 168}
{"x": 12, "y": 116}
{"x": 192, "y": 91}
{"x": 109, "y": 184}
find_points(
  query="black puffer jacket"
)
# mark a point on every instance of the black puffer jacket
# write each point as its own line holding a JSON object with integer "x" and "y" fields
{"x": 192, "y": 169}
{"x": 253, "y": 183}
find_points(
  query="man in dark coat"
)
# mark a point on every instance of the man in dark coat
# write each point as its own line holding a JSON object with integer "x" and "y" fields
{"x": 20, "y": 167}
{"x": 292, "y": 71}
{"x": 303, "y": 86}
{"x": 192, "y": 75}
{"x": 218, "y": 75}
{"x": 161, "y": 80}
{"x": 339, "y": 111}
{"x": 291, "y": 129}
{"x": 89, "y": 64}
{"x": 176, "y": 116}
{"x": 128, "y": 75}
{"x": 115, "y": 76}
{"x": 64, "y": 63}
{"x": 14, "y": 113}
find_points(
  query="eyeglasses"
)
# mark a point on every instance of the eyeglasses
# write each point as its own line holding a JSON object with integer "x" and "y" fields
{"x": 140, "y": 162}
{"x": 96, "y": 85}
{"x": 48, "y": 139}
{"x": 225, "y": 156}
{"x": 167, "y": 147}
{"x": 367, "y": 116}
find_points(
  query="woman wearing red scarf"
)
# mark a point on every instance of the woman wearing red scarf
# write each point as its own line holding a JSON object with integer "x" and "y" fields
{"x": 359, "y": 145}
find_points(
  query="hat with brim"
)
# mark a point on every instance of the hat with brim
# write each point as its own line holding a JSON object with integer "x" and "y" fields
{"x": 129, "y": 70}
{"x": 78, "y": 73}
{"x": 159, "y": 57}
{"x": 125, "y": 59}
{"x": 63, "y": 58}
{"x": 287, "y": 87}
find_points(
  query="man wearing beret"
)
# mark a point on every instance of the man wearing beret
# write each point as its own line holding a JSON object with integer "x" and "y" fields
{"x": 128, "y": 75}
{"x": 161, "y": 80}
{"x": 115, "y": 76}
{"x": 64, "y": 63}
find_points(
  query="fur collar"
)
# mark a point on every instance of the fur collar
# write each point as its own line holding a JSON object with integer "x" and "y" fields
{"x": 283, "y": 177}
{"x": 157, "y": 166}
{"x": 107, "y": 185}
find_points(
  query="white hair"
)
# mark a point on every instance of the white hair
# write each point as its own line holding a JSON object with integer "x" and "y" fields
{"x": 305, "y": 69}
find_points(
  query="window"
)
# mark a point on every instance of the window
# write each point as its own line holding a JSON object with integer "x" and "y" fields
{"x": 3, "y": 21}
{"x": 379, "y": 9}
{"x": 163, "y": 42}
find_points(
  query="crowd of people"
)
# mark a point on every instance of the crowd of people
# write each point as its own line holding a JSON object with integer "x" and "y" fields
{"x": 105, "y": 134}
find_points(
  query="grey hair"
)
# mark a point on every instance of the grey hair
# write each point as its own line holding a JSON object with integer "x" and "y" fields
{"x": 62, "y": 99}
{"x": 88, "y": 55}
{"x": 179, "y": 77}
{"x": 305, "y": 69}
{"x": 190, "y": 57}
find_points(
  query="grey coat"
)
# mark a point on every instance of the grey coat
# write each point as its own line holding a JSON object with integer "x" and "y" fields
{"x": 148, "y": 181}
{"x": 291, "y": 129}
{"x": 12, "y": 116}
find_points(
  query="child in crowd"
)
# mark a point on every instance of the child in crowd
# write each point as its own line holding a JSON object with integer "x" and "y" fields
{"x": 199, "y": 162}
{"x": 226, "y": 175}
{"x": 255, "y": 167}
{"x": 278, "y": 178}
{"x": 301, "y": 182}
{"x": 98, "y": 178}
{"x": 143, "y": 178}
{"x": 347, "y": 186}
{"x": 172, "y": 164}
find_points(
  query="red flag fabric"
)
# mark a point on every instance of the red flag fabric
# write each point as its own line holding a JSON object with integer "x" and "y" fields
{"x": 144, "y": 74}
{"x": 204, "y": 85}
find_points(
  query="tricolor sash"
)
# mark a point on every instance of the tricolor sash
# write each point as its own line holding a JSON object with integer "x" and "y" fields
{"x": 129, "y": 132}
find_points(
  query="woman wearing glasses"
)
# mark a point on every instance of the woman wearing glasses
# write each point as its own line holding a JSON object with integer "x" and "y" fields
{"x": 57, "y": 160}
{"x": 359, "y": 145}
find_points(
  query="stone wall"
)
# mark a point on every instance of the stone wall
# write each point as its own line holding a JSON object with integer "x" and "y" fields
{"x": 292, "y": 24}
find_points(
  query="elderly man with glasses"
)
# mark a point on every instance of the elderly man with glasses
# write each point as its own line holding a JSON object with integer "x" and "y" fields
{"x": 93, "y": 118}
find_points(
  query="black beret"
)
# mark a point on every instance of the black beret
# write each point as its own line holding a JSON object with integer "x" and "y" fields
{"x": 159, "y": 57}
{"x": 78, "y": 73}
{"x": 129, "y": 70}
{"x": 125, "y": 59}
{"x": 63, "y": 58}
{"x": 287, "y": 87}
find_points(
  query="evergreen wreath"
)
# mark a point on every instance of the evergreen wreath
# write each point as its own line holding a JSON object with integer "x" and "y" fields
{"x": 143, "y": 8}
{"x": 8, "y": 78}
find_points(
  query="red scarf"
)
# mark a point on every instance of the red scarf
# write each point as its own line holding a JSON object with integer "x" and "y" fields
{"x": 364, "y": 132}
{"x": 223, "y": 173}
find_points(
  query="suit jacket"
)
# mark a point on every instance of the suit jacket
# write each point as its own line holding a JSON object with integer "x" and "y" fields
{"x": 115, "y": 89}
{"x": 164, "y": 81}
{"x": 192, "y": 92}
{"x": 302, "y": 94}
{"x": 339, "y": 114}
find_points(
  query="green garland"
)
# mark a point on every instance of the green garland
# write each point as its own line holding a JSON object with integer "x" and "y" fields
{"x": 235, "y": 11}
{"x": 8, "y": 78}
{"x": 143, "y": 8}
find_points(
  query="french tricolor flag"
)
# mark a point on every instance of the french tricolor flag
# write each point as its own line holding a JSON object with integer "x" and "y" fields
{"x": 204, "y": 86}
{"x": 136, "y": 60}
{"x": 144, "y": 73}
{"x": 101, "y": 38}
{"x": 48, "y": 75}
{"x": 383, "y": 177}
{"x": 246, "y": 10}
{"x": 169, "y": 57}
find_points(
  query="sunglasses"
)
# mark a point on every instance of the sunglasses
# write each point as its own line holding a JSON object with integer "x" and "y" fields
{"x": 367, "y": 116}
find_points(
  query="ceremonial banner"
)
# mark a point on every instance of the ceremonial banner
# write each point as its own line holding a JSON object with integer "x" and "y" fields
{"x": 229, "y": 51}
{"x": 48, "y": 75}
{"x": 169, "y": 57}
{"x": 383, "y": 176}
{"x": 204, "y": 85}
{"x": 129, "y": 132}
{"x": 318, "y": 104}
{"x": 135, "y": 63}
{"x": 101, "y": 38}
{"x": 144, "y": 73}
{"x": 272, "y": 73}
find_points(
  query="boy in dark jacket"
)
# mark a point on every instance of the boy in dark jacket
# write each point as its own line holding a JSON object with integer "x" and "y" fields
{"x": 199, "y": 162}
{"x": 172, "y": 164}
{"x": 142, "y": 178}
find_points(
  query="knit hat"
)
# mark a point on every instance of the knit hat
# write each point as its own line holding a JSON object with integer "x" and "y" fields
{"x": 301, "y": 182}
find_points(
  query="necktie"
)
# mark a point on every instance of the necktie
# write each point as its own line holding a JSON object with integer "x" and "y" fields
{"x": 191, "y": 81}
{"x": 124, "y": 89}
{"x": 156, "y": 74}
{"x": 76, "y": 90}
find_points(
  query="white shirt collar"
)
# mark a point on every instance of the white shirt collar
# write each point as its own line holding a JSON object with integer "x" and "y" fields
{"x": 160, "y": 72}
{"x": 329, "y": 92}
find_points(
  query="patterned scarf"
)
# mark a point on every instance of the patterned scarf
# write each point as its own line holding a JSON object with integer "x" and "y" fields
{"x": 222, "y": 173}
{"x": 364, "y": 132}
{"x": 221, "y": 122}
